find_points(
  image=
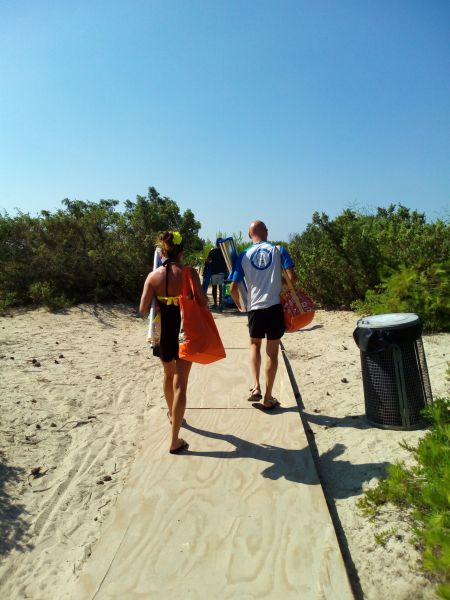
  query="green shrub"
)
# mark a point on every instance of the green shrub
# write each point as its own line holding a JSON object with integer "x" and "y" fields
{"x": 338, "y": 260}
{"x": 43, "y": 293}
{"x": 421, "y": 492}
{"x": 92, "y": 252}
{"x": 87, "y": 251}
{"x": 7, "y": 301}
{"x": 425, "y": 292}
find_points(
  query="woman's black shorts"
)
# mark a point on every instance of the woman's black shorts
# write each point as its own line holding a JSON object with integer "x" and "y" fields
{"x": 266, "y": 322}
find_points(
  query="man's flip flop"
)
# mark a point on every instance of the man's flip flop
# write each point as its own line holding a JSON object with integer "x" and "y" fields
{"x": 254, "y": 397}
{"x": 184, "y": 446}
{"x": 273, "y": 403}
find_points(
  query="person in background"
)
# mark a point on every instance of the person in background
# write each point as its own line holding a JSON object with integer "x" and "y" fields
{"x": 261, "y": 264}
{"x": 206, "y": 276}
{"x": 166, "y": 284}
{"x": 218, "y": 269}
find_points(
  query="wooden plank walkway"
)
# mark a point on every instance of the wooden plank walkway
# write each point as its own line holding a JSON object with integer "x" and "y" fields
{"x": 240, "y": 516}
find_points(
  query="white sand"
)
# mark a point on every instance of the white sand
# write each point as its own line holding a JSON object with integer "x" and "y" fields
{"x": 353, "y": 454}
{"x": 76, "y": 428}
{"x": 82, "y": 418}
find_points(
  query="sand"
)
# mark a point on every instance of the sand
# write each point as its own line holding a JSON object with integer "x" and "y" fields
{"x": 78, "y": 390}
{"x": 353, "y": 454}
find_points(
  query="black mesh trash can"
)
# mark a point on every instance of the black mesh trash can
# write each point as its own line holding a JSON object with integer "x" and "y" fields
{"x": 394, "y": 370}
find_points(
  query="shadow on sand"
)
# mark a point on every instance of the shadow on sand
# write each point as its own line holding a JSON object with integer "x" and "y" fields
{"x": 350, "y": 477}
{"x": 103, "y": 312}
{"x": 12, "y": 524}
{"x": 293, "y": 465}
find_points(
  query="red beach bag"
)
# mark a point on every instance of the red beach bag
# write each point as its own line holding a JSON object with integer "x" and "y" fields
{"x": 200, "y": 341}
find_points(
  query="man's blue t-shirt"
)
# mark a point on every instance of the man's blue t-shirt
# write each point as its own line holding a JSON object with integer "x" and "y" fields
{"x": 261, "y": 266}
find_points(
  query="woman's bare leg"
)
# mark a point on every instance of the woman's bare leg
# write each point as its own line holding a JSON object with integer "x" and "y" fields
{"x": 169, "y": 373}
{"x": 180, "y": 382}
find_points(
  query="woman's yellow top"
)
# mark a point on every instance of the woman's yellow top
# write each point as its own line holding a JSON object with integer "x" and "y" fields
{"x": 168, "y": 300}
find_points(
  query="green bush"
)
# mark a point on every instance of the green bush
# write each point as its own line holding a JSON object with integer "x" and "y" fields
{"x": 87, "y": 251}
{"x": 421, "y": 492}
{"x": 338, "y": 260}
{"x": 425, "y": 292}
{"x": 92, "y": 252}
{"x": 7, "y": 301}
{"x": 44, "y": 293}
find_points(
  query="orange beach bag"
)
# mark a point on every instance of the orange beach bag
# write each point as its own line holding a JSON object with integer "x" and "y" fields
{"x": 200, "y": 339}
{"x": 298, "y": 308}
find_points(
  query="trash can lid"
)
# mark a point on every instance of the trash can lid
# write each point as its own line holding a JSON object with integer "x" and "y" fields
{"x": 389, "y": 321}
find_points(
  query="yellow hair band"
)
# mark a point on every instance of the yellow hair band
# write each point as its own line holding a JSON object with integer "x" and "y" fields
{"x": 177, "y": 238}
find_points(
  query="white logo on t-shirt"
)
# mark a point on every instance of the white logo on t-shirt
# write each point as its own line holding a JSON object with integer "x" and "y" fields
{"x": 261, "y": 259}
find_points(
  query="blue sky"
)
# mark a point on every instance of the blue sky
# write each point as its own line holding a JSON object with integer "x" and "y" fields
{"x": 236, "y": 109}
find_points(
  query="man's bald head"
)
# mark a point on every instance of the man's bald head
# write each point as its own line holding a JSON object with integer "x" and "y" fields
{"x": 257, "y": 231}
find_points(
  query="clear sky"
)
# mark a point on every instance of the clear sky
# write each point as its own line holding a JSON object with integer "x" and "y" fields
{"x": 237, "y": 109}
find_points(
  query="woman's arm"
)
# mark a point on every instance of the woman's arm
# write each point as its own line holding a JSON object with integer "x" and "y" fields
{"x": 147, "y": 297}
{"x": 199, "y": 293}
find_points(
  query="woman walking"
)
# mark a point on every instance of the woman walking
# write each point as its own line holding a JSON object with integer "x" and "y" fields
{"x": 165, "y": 283}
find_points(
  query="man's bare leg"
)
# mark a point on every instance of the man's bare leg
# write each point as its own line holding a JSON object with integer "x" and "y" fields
{"x": 255, "y": 363}
{"x": 272, "y": 349}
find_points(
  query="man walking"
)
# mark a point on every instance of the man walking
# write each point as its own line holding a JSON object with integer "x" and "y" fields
{"x": 261, "y": 264}
{"x": 218, "y": 270}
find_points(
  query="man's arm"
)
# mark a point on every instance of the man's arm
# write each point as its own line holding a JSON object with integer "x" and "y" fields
{"x": 292, "y": 276}
{"x": 288, "y": 264}
{"x": 234, "y": 292}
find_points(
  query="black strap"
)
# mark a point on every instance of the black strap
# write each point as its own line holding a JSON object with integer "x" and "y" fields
{"x": 166, "y": 266}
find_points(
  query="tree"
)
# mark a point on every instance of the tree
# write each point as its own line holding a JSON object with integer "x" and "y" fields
{"x": 87, "y": 251}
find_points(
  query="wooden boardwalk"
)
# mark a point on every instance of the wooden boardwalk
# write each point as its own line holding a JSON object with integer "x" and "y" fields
{"x": 240, "y": 516}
